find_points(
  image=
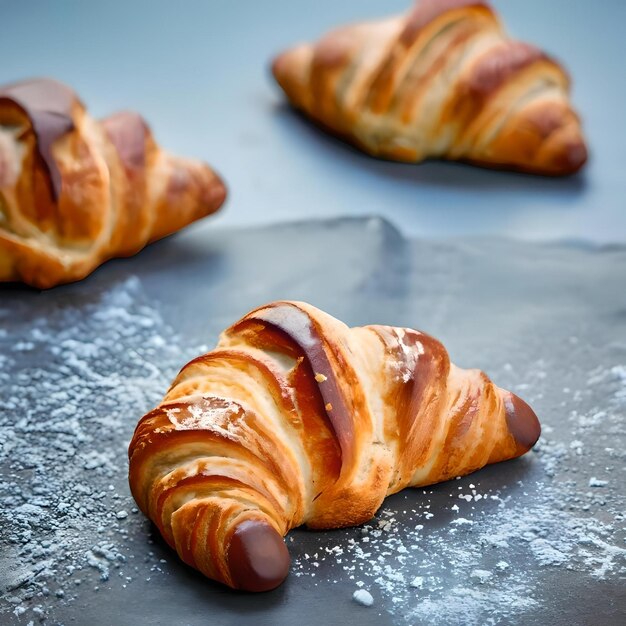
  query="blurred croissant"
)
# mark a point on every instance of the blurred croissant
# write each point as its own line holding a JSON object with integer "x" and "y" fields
{"x": 75, "y": 192}
{"x": 443, "y": 81}
{"x": 297, "y": 419}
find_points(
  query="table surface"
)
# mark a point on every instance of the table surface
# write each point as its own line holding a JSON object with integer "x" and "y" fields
{"x": 531, "y": 541}
{"x": 198, "y": 71}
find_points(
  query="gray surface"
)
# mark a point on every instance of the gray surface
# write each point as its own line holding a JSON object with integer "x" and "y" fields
{"x": 546, "y": 321}
{"x": 198, "y": 71}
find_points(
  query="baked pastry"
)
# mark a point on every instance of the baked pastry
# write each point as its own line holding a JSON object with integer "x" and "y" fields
{"x": 442, "y": 81}
{"x": 75, "y": 192}
{"x": 297, "y": 419}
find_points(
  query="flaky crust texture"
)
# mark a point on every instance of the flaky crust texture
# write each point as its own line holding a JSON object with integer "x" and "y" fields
{"x": 75, "y": 192}
{"x": 297, "y": 419}
{"x": 442, "y": 81}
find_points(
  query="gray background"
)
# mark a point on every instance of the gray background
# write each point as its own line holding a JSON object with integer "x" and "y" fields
{"x": 198, "y": 71}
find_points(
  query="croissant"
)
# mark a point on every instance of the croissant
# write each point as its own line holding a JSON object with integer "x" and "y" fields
{"x": 297, "y": 419}
{"x": 75, "y": 192}
{"x": 443, "y": 81}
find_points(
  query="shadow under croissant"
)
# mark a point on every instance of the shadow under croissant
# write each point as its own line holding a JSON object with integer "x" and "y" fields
{"x": 150, "y": 260}
{"x": 301, "y": 541}
{"x": 432, "y": 173}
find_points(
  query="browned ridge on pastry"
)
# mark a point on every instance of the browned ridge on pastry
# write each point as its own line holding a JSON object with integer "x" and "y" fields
{"x": 75, "y": 192}
{"x": 443, "y": 81}
{"x": 297, "y": 419}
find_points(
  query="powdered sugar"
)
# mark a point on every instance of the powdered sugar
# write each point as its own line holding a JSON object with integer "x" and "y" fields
{"x": 74, "y": 383}
{"x": 404, "y": 369}
{"x": 217, "y": 414}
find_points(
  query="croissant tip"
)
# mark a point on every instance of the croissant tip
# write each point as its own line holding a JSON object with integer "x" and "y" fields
{"x": 522, "y": 422}
{"x": 217, "y": 193}
{"x": 257, "y": 557}
{"x": 282, "y": 66}
{"x": 288, "y": 67}
{"x": 275, "y": 67}
{"x": 575, "y": 156}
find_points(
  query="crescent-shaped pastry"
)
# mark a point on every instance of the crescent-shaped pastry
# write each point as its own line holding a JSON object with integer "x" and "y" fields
{"x": 442, "y": 81}
{"x": 297, "y": 419}
{"x": 75, "y": 192}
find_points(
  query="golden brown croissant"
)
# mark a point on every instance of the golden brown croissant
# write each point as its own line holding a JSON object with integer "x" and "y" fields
{"x": 297, "y": 419}
{"x": 75, "y": 192}
{"x": 443, "y": 81}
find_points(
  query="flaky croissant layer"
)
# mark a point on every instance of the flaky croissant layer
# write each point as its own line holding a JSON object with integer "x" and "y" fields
{"x": 297, "y": 419}
{"x": 75, "y": 192}
{"x": 442, "y": 81}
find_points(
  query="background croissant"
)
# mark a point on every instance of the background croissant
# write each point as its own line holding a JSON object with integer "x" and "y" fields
{"x": 297, "y": 419}
{"x": 75, "y": 192}
{"x": 443, "y": 81}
